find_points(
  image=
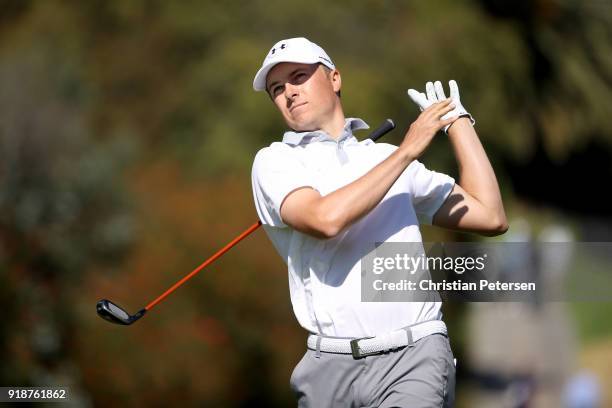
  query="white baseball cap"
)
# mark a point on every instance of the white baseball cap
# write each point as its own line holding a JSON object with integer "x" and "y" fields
{"x": 298, "y": 50}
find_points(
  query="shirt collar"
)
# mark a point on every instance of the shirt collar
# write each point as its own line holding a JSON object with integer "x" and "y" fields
{"x": 297, "y": 138}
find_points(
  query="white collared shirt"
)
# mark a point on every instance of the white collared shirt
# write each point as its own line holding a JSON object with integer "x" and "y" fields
{"x": 325, "y": 274}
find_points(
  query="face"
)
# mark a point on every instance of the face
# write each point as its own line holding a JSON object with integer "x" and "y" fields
{"x": 305, "y": 94}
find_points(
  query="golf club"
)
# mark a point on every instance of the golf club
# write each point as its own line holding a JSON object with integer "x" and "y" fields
{"x": 115, "y": 314}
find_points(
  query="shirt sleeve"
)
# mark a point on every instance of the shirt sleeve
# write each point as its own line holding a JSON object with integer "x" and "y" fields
{"x": 429, "y": 190}
{"x": 276, "y": 173}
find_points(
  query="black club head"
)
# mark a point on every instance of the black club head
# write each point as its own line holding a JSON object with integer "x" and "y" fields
{"x": 115, "y": 314}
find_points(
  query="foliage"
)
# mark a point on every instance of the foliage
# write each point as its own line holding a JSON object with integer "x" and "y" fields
{"x": 127, "y": 131}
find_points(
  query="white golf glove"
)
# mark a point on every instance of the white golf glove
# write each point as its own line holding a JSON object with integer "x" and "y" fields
{"x": 435, "y": 93}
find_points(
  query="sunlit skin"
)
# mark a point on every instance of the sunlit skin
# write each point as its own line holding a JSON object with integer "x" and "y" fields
{"x": 305, "y": 94}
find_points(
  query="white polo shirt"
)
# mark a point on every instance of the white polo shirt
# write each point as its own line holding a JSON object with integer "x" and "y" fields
{"x": 325, "y": 274}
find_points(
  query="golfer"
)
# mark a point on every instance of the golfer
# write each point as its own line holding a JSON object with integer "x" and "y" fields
{"x": 324, "y": 198}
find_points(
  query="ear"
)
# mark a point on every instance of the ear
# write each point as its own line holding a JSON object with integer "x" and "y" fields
{"x": 336, "y": 79}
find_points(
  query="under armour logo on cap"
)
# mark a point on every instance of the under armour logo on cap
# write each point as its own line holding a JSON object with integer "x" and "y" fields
{"x": 282, "y": 46}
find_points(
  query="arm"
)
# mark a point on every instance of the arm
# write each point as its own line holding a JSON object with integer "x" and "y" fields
{"x": 325, "y": 216}
{"x": 475, "y": 203}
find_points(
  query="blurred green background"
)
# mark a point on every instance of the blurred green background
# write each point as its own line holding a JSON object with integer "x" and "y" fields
{"x": 127, "y": 133}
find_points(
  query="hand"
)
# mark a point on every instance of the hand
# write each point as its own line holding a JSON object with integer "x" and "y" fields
{"x": 424, "y": 128}
{"x": 435, "y": 93}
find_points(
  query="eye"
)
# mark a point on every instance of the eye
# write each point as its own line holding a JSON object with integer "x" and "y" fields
{"x": 300, "y": 77}
{"x": 276, "y": 90}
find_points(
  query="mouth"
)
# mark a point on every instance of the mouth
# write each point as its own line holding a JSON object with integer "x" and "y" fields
{"x": 297, "y": 106}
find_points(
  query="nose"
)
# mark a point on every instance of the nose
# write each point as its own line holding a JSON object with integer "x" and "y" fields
{"x": 291, "y": 90}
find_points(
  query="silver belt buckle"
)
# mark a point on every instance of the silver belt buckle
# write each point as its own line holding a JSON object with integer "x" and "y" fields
{"x": 355, "y": 349}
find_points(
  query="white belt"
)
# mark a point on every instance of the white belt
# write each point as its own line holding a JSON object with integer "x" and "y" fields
{"x": 368, "y": 346}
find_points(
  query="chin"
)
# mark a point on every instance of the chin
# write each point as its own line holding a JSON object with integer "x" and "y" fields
{"x": 301, "y": 126}
{"x": 304, "y": 128}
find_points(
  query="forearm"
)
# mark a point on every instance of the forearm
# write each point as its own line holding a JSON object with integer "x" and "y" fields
{"x": 348, "y": 204}
{"x": 476, "y": 175}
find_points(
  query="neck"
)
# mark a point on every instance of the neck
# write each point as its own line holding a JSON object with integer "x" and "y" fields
{"x": 335, "y": 126}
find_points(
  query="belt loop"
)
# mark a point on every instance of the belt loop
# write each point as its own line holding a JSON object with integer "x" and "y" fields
{"x": 409, "y": 336}
{"x": 318, "y": 352}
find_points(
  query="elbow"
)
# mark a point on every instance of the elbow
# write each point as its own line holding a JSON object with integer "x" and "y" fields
{"x": 327, "y": 233}
{"x": 503, "y": 227}
{"x": 314, "y": 219}
{"x": 499, "y": 226}
{"x": 329, "y": 228}
{"x": 500, "y": 230}
{"x": 329, "y": 225}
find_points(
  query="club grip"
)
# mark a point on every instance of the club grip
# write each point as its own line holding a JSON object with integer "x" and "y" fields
{"x": 382, "y": 130}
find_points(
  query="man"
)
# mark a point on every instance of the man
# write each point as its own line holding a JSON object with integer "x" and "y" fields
{"x": 324, "y": 198}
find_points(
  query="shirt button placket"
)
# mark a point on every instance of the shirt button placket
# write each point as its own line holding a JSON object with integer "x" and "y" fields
{"x": 340, "y": 153}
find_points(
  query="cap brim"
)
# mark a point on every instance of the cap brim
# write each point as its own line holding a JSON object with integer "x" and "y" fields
{"x": 259, "y": 83}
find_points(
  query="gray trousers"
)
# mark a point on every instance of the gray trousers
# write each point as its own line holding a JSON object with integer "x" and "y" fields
{"x": 421, "y": 375}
